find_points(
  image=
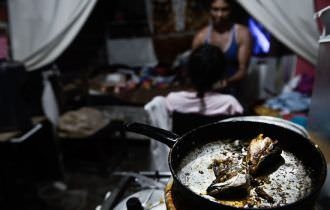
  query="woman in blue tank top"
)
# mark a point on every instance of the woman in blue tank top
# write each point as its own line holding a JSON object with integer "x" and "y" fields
{"x": 232, "y": 38}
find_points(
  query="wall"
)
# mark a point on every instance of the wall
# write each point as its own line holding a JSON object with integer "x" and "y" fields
{"x": 4, "y": 42}
{"x": 319, "y": 111}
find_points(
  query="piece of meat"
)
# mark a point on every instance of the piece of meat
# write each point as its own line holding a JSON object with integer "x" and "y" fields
{"x": 260, "y": 153}
{"x": 231, "y": 178}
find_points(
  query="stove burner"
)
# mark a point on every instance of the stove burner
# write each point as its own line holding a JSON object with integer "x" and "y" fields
{"x": 150, "y": 199}
{"x": 147, "y": 186}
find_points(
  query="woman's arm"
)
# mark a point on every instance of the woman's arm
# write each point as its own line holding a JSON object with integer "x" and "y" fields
{"x": 244, "y": 41}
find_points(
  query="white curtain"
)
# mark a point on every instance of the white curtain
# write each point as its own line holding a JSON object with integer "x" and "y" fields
{"x": 40, "y": 30}
{"x": 291, "y": 22}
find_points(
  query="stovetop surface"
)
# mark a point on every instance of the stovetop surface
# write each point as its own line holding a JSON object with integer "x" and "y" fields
{"x": 147, "y": 186}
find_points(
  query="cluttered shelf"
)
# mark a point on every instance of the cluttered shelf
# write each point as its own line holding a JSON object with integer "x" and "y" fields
{"x": 136, "y": 97}
{"x": 133, "y": 86}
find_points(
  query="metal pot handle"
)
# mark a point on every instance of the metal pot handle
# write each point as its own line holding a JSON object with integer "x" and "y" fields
{"x": 161, "y": 135}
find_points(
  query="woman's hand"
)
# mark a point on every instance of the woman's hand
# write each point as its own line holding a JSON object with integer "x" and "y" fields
{"x": 220, "y": 84}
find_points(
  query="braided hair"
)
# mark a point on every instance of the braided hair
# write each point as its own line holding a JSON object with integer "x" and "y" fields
{"x": 206, "y": 66}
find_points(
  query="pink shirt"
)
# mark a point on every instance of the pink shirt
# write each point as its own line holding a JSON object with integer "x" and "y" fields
{"x": 216, "y": 103}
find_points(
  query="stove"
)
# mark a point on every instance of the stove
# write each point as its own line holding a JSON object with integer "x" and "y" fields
{"x": 147, "y": 186}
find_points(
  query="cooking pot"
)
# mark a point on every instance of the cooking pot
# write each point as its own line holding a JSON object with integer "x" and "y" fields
{"x": 292, "y": 138}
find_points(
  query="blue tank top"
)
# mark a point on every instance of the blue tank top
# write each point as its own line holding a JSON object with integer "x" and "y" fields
{"x": 231, "y": 53}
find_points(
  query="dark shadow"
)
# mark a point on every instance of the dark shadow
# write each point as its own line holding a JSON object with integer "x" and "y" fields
{"x": 270, "y": 165}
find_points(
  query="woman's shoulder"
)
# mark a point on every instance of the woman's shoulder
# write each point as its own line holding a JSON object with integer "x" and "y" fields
{"x": 242, "y": 32}
{"x": 241, "y": 27}
{"x": 203, "y": 31}
{"x": 200, "y": 36}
